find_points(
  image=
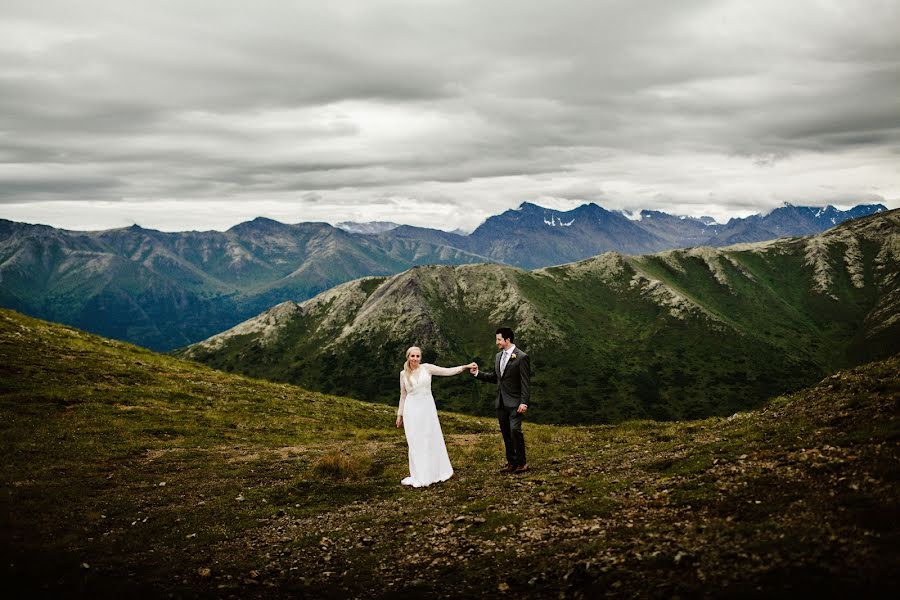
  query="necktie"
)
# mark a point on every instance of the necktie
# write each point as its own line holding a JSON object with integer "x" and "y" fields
{"x": 503, "y": 360}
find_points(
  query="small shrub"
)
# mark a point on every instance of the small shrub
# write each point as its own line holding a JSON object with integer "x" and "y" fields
{"x": 339, "y": 465}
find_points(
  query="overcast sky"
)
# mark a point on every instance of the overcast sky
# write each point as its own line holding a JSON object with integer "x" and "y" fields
{"x": 199, "y": 115}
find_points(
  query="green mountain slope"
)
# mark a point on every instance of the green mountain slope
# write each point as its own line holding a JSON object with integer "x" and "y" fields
{"x": 129, "y": 473}
{"x": 680, "y": 334}
{"x": 165, "y": 290}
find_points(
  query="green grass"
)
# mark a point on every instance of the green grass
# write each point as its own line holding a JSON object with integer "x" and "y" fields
{"x": 151, "y": 470}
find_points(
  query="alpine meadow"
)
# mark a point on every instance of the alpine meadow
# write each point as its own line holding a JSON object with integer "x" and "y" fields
{"x": 130, "y": 473}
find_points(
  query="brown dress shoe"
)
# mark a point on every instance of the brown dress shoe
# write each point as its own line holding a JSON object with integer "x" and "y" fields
{"x": 520, "y": 469}
{"x": 508, "y": 468}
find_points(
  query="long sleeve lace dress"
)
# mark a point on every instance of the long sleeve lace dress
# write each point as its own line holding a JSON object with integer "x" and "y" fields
{"x": 428, "y": 459}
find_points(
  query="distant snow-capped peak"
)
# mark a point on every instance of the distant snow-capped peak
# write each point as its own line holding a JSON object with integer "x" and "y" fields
{"x": 368, "y": 227}
{"x": 631, "y": 215}
{"x": 557, "y": 222}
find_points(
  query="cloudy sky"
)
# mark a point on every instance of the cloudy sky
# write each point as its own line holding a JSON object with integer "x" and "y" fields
{"x": 198, "y": 115}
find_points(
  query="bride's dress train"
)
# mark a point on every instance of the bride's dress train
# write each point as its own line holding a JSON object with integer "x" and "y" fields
{"x": 428, "y": 459}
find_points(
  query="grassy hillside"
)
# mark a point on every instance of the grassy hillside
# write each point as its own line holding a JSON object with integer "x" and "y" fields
{"x": 128, "y": 472}
{"x": 676, "y": 335}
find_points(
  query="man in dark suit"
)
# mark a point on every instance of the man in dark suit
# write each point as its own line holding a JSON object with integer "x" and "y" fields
{"x": 512, "y": 374}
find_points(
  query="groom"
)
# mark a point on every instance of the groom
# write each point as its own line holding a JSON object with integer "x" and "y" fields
{"x": 512, "y": 374}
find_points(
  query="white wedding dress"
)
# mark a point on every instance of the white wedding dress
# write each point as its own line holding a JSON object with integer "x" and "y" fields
{"x": 428, "y": 459}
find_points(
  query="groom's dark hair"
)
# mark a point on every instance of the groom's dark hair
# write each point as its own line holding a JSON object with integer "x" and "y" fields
{"x": 507, "y": 333}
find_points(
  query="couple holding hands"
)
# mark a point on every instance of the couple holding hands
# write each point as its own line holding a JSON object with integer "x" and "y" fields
{"x": 417, "y": 414}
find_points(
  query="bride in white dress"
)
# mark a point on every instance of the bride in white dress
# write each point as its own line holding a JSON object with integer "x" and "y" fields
{"x": 428, "y": 459}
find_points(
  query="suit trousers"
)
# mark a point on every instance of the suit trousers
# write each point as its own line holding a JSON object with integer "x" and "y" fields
{"x": 511, "y": 428}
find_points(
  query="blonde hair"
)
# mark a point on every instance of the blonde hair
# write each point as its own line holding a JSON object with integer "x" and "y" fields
{"x": 407, "y": 372}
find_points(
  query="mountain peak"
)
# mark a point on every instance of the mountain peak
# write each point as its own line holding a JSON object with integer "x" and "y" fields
{"x": 259, "y": 224}
{"x": 135, "y": 228}
{"x": 587, "y": 206}
{"x": 862, "y": 210}
{"x": 590, "y": 208}
{"x": 265, "y": 221}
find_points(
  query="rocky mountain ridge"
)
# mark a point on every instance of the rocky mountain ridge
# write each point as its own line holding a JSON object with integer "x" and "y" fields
{"x": 677, "y": 334}
{"x": 169, "y": 289}
{"x": 165, "y": 290}
{"x": 532, "y": 236}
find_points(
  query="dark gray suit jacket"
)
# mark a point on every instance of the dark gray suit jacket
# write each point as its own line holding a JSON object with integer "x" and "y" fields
{"x": 514, "y": 387}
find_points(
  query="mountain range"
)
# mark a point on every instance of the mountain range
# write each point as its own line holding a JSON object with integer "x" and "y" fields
{"x": 166, "y": 290}
{"x": 531, "y": 236}
{"x": 673, "y": 335}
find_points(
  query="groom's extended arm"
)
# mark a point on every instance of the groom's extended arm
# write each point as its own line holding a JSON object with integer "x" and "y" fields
{"x": 485, "y": 376}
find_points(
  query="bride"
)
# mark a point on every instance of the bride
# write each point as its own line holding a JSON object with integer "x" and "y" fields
{"x": 428, "y": 460}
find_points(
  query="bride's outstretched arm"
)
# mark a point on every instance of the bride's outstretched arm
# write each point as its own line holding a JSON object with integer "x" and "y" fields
{"x": 445, "y": 371}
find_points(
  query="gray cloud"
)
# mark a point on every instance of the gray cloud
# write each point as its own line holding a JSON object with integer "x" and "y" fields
{"x": 404, "y": 108}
